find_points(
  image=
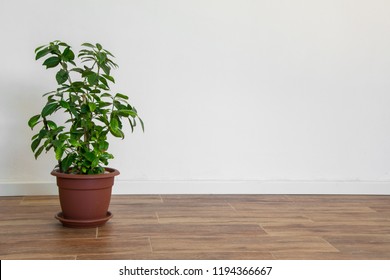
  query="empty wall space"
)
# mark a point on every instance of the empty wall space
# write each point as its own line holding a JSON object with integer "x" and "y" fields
{"x": 237, "y": 96}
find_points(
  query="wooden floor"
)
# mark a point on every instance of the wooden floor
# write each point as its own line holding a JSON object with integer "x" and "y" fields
{"x": 203, "y": 227}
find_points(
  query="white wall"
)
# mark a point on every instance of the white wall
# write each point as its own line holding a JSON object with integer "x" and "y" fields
{"x": 265, "y": 96}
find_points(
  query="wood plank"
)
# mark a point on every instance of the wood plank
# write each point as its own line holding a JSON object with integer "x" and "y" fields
{"x": 362, "y": 244}
{"x": 240, "y": 244}
{"x": 114, "y": 230}
{"x": 222, "y": 217}
{"x": 331, "y": 256}
{"x": 72, "y": 246}
{"x": 325, "y": 229}
{"x": 179, "y": 256}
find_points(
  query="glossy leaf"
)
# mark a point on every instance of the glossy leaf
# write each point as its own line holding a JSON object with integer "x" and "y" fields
{"x": 127, "y": 113}
{"x": 52, "y": 62}
{"x": 59, "y": 152}
{"x": 67, "y": 162}
{"x": 49, "y": 109}
{"x": 103, "y": 81}
{"x": 90, "y": 156}
{"x": 108, "y": 77}
{"x": 39, "y": 152}
{"x": 62, "y": 76}
{"x": 74, "y": 142}
{"x": 115, "y": 127}
{"x": 51, "y": 125}
{"x": 68, "y": 54}
{"x": 39, "y": 48}
{"x": 42, "y": 53}
{"x": 142, "y": 124}
{"x": 117, "y": 133}
{"x": 106, "y": 69}
{"x": 92, "y": 106}
{"x": 114, "y": 122}
{"x": 88, "y": 45}
{"x": 35, "y": 144}
{"x": 64, "y": 104}
{"x": 119, "y": 95}
{"x": 33, "y": 121}
{"x": 93, "y": 78}
{"x": 103, "y": 145}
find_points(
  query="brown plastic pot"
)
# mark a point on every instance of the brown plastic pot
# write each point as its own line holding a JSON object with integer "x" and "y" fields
{"x": 85, "y": 199}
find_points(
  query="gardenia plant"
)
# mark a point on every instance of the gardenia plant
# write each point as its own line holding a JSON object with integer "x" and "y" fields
{"x": 83, "y": 94}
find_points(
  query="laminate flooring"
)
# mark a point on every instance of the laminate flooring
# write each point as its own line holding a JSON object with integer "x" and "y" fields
{"x": 203, "y": 227}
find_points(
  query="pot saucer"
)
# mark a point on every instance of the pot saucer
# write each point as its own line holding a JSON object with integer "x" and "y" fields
{"x": 83, "y": 223}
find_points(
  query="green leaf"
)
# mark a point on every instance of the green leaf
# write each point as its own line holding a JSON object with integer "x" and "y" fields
{"x": 85, "y": 52}
{"x": 95, "y": 163}
{"x": 63, "y": 137}
{"x": 92, "y": 106}
{"x": 33, "y": 121}
{"x": 35, "y": 136}
{"x": 117, "y": 133}
{"x": 64, "y": 104}
{"x": 84, "y": 109}
{"x": 47, "y": 145}
{"x": 57, "y": 143}
{"x": 108, "y": 77}
{"x": 94, "y": 95}
{"x": 93, "y": 78}
{"x": 67, "y": 162}
{"x": 54, "y": 48}
{"x": 112, "y": 63}
{"x": 51, "y": 125}
{"x": 104, "y": 120}
{"x": 38, "y": 48}
{"x": 119, "y": 95}
{"x": 62, "y": 43}
{"x": 90, "y": 156}
{"x": 74, "y": 142}
{"x": 110, "y": 54}
{"x": 114, "y": 127}
{"x": 48, "y": 109}
{"x": 37, "y": 154}
{"x": 103, "y": 81}
{"x": 101, "y": 57}
{"x": 62, "y": 76}
{"x": 106, "y": 69}
{"x": 106, "y": 94}
{"x": 42, "y": 53}
{"x": 74, "y": 111}
{"x": 142, "y": 124}
{"x": 68, "y": 54}
{"x": 76, "y": 86}
{"x": 126, "y": 113}
{"x": 43, "y": 133}
{"x": 132, "y": 125}
{"x": 103, "y": 145}
{"x": 99, "y": 46}
{"x": 52, "y": 62}
{"x": 59, "y": 152}
{"x": 78, "y": 70}
{"x": 35, "y": 144}
{"x": 88, "y": 45}
{"x": 47, "y": 93}
{"x": 114, "y": 122}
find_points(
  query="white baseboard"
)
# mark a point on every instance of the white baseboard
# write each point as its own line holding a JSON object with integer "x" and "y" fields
{"x": 215, "y": 187}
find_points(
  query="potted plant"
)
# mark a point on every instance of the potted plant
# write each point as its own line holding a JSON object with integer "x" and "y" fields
{"x": 80, "y": 141}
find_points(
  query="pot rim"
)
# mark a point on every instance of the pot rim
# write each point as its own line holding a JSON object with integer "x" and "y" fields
{"x": 112, "y": 172}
